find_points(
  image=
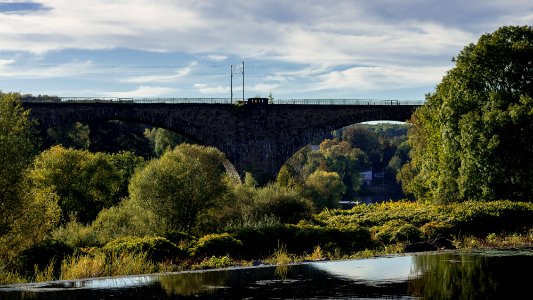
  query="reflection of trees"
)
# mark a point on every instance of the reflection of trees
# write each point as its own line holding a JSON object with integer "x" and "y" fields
{"x": 452, "y": 276}
{"x": 188, "y": 284}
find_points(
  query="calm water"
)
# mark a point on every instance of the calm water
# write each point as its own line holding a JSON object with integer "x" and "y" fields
{"x": 451, "y": 275}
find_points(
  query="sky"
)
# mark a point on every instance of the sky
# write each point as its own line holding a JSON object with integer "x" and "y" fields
{"x": 379, "y": 49}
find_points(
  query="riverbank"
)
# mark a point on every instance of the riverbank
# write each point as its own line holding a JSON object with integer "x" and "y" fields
{"x": 361, "y": 232}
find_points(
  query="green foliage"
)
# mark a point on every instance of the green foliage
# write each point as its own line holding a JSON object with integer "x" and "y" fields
{"x": 472, "y": 138}
{"x": 396, "y": 231}
{"x": 125, "y": 163}
{"x": 156, "y": 248}
{"x": 325, "y": 189}
{"x": 398, "y": 221}
{"x": 180, "y": 184}
{"x": 126, "y": 219}
{"x": 361, "y": 137}
{"x": 85, "y": 182}
{"x": 26, "y": 215}
{"x": 214, "y": 263}
{"x": 163, "y": 140}
{"x": 256, "y": 244}
{"x": 345, "y": 160}
{"x": 439, "y": 229}
{"x": 17, "y": 148}
{"x": 42, "y": 254}
{"x": 285, "y": 178}
{"x": 217, "y": 245}
{"x": 299, "y": 239}
{"x": 76, "y": 234}
{"x": 284, "y": 203}
{"x": 114, "y": 136}
{"x": 114, "y": 264}
{"x": 74, "y": 135}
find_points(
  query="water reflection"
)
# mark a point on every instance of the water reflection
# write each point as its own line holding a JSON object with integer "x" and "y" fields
{"x": 189, "y": 284}
{"x": 451, "y": 275}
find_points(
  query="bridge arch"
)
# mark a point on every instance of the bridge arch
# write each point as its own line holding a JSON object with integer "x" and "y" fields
{"x": 258, "y": 139}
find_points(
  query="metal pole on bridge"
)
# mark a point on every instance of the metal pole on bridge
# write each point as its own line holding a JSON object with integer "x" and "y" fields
{"x": 243, "y": 81}
{"x": 231, "y": 83}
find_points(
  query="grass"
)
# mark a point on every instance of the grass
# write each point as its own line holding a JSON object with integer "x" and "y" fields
{"x": 89, "y": 266}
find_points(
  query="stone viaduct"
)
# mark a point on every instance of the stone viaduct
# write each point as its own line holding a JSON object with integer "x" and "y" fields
{"x": 255, "y": 138}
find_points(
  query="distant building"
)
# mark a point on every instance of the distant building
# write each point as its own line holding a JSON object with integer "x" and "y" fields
{"x": 366, "y": 177}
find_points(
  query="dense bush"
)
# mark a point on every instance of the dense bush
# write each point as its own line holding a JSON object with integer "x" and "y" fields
{"x": 157, "y": 248}
{"x": 396, "y": 231}
{"x": 217, "y": 245}
{"x": 301, "y": 239}
{"x": 41, "y": 255}
{"x": 126, "y": 220}
{"x": 432, "y": 221}
{"x": 285, "y": 203}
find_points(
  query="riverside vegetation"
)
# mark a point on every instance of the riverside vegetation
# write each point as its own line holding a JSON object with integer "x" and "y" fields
{"x": 71, "y": 208}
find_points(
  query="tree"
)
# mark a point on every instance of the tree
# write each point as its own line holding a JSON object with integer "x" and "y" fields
{"x": 359, "y": 136}
{"x": 472, "y": 138}
{"x": 17, "y": 148}
{"x": 285, "y": 178}
{"x": 85, "y": 182}
{"x": 26, "y": 215}
{"x": 325, "y": 189}
{"x": 180, "y": 184}
{"x": 345, "y": 160}
{"x": 75, "y": 135}
{"x": 163, "y": 140}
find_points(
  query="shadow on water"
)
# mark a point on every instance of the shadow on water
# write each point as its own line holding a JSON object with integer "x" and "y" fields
{"x": 450, "y": 275}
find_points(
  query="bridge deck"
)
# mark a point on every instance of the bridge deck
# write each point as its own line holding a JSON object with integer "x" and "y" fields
{"x": 220, "y": 101}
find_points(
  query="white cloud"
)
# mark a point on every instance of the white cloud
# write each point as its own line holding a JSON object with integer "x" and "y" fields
{"x": 207, "y": 89}
{"x": 333, "y": 44}
{"x": 263, "y": 88}
{"x": 380, "y": 77}
{"x": 36, "y": 71}
{"x": 216, "y": 57}
{"x": 6, "y": 62}
{"x": 144, "y": 92}
{"x": 175, "y": 76}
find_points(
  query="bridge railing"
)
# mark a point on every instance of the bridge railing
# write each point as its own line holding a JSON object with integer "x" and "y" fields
{"x": 348, "y": 102}
{"x": 220, "y": 101}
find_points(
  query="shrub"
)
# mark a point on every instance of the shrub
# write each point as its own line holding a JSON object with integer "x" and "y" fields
{"x": 347, "y": 239}
{"x": 299, "y": 239}
{"x": 42, "y": 255}
{"x": 396, "y": 231}
{"x": 125, "y": 220}
{"x": 181, "y": 239}
{"x": 157, "y": 248}
{"x": 481, "y": 218}
{"x": 256, "y": 244}
{"x": 214, "y": 263}
{"x": 217, "y": 245}
{"x": 76, "y": 234}
{"x": 438, "y": 229}
{"x": 285, "y": 203}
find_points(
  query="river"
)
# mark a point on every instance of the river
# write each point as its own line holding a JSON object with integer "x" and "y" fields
{"x": 490, "y": 274}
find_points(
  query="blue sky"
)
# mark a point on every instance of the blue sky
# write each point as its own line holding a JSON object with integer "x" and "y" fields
{"x": 382, "y": 49}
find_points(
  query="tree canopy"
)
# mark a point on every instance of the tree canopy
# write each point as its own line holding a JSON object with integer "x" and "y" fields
{"x": 17, "y": 148}
{"x": 26, "y": 215}
{"x": 472, "y": 138}
{"x": 180, "y": 184}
